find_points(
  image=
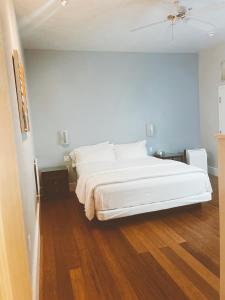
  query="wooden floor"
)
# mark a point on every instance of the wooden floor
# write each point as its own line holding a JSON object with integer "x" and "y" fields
{"x": 167, "y": 255}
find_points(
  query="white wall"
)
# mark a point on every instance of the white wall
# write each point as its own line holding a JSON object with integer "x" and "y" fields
{"x": 24, "y": 143}
{"x": 209, "y": 81}
{"x": 101, "y": 96}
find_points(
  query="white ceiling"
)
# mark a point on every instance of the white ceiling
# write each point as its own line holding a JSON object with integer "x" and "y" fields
{"x": 105, "y": 25}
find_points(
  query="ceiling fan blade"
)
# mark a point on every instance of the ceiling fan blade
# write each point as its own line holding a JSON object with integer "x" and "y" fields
{"x": 202, "y": 6}
{"x": 201, "y": 3}
{"x": 148, "y": 25}
{"x": 200, "y": 24}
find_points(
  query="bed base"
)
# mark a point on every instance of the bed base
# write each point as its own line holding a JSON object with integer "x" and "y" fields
{"x": 104, "y": 215}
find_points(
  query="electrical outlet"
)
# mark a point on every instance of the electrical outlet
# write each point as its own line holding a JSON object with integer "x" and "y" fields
{"x": 66, "y": 158}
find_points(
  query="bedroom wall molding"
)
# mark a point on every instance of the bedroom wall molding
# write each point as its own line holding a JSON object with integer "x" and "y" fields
{"x": 36, "y": 258}
{"x": 213, "y": 171}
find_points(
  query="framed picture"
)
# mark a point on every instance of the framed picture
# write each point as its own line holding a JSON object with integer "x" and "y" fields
{"x": 21, "y": 92}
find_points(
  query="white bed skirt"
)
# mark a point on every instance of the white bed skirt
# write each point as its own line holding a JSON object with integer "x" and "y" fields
{"x": 104, "y": 215}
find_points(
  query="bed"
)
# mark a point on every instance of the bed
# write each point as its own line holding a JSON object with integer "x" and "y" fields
{"x": 130, "y": 186}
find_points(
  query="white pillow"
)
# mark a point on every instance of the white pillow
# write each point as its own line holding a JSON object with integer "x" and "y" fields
{"x": 95, "y": 153}
{"x": 87, "y": 148}
{"x": 132, "y": 150}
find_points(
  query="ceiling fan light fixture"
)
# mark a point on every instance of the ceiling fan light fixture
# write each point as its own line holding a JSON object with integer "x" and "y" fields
{"x": 171, "y": 18}
{"x": 64, "y": 3}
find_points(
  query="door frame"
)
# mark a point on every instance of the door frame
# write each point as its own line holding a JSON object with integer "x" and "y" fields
{"x": 14, "y": 267}
{"x": 221, "y": 167}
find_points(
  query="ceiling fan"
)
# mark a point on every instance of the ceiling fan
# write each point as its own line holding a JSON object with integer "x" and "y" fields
{"x": 182, "y": 14}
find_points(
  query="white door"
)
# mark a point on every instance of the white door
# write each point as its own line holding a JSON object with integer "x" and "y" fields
{"x": 222, "y": 109}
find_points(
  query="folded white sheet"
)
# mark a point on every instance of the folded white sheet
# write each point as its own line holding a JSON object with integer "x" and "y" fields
{"x": 92, "y": 176}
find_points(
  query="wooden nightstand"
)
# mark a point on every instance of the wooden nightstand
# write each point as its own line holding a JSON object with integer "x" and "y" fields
{"x": 55, "y": 182}
{"x": 174, "y": 156}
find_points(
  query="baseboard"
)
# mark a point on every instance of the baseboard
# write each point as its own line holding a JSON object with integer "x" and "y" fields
{"x": 36, "y": 258}
{"x": 213, "y": 171}
{"x": 72, "y": 186}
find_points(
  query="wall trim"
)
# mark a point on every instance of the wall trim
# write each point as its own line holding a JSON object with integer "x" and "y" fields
{"x": 36, "y": 257}
{"x": 213, "y": 171}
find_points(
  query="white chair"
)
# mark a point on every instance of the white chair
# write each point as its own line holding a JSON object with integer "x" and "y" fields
{"x": 197, "y": 158}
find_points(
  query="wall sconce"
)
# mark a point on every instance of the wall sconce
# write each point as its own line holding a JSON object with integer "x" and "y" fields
{"x": 64, "y": 138}
{"x": 150, "y": 129}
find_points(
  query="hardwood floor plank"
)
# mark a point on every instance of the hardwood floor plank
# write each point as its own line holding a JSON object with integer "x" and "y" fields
{"x": 168, "y": 255}
{"x": 95, "y": 271}
{"x": 138, "y": 273}
{"x": 130, "y": 232}
{"x": 168, "y": 231}
{"x": 165, "y": 282}
{"x": 78, "y": 284}
{"x": 64, "y": 287}
{"x": 205, "y": 228}
{"x": 66, "y": 255}
{"x": 122, "y": 284}
{"x": 133, "y": 240}
{"x": 49, "y": 281}
{"x": 205, "y": 260}
{"x": 193, "y": 236}
{"x": 211, "y": 278}
{"x": 201, "y": 229}
{"x": 208, "y": 214}
{"x": 181, "y": 280}
{"x": 92, "y": 287}
{"x": 206, "y": 289}
{"x": 48, "y": 268}
{"x": 149, "y": 234}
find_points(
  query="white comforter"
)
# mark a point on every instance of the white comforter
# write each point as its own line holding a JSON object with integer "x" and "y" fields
{"x": 94, "y": 175}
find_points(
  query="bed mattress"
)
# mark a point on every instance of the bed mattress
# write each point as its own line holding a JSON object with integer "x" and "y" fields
{"x": 148, "y": 191}
{"x": 116, "y": 189}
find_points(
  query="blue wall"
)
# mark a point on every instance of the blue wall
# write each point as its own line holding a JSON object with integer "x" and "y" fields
{"x": 110, "y": 96}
